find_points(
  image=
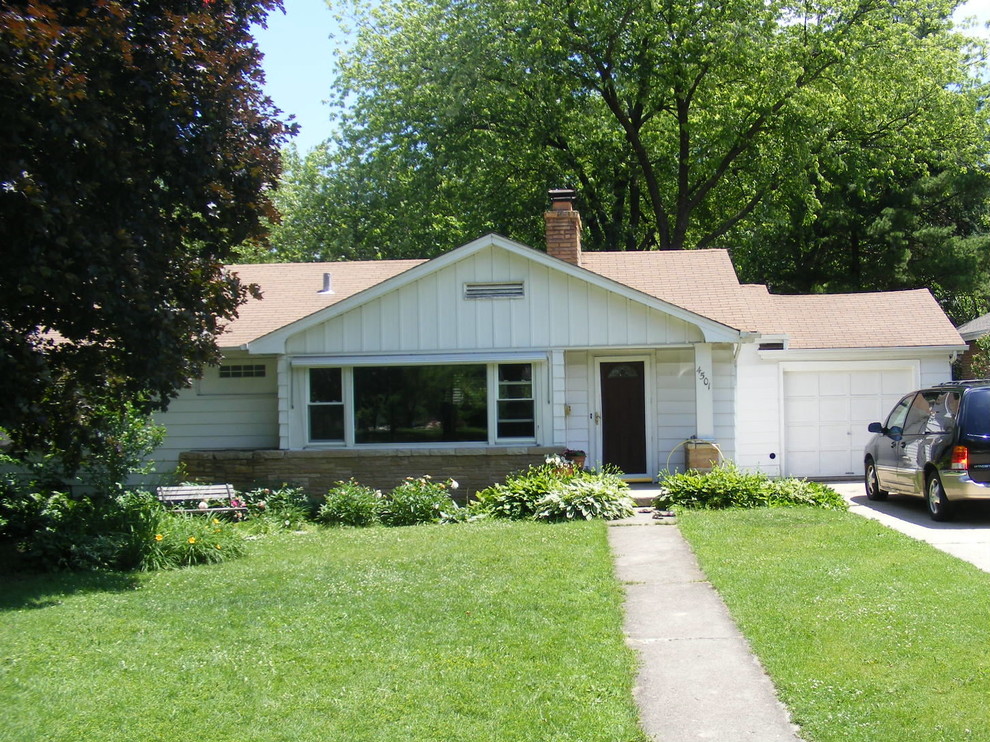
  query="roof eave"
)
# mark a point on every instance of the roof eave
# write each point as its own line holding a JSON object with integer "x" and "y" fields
{"x": 900, "y": 349}
{"x": 712, "y": 331}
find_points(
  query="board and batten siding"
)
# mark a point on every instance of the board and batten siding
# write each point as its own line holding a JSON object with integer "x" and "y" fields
{"x": 672, "y": 417}
{"x": 677, "y": 403}
{"x": 724, "y": 390}
{"x": 432, "y": 315}
{"x": 578, "y": 401}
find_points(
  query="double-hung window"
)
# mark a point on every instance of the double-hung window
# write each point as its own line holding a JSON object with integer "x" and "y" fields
{"x": 422, "y": 403}
{"x": 516, "y": 405}
{"x": 326, "y": 405}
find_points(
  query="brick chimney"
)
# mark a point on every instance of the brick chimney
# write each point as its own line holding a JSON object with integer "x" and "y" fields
{"x": 563, "y": 225}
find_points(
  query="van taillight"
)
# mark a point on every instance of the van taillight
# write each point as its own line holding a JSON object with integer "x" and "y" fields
{"x": 960, "y": 458}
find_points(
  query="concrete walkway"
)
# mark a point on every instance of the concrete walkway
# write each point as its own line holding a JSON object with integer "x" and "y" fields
{"x": 698, "y": 678}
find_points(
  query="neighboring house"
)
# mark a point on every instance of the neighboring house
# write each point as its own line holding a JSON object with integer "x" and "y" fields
{"x": 495, "y": 354}
{"x": 971, "y": 332}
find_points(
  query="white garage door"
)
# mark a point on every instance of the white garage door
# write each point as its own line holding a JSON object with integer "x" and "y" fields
{"x": 826, "y": 414}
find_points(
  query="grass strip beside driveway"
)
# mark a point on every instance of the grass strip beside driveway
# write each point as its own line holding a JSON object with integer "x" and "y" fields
{"x": 868, "y": 634}
{"x": 489, "y": 631}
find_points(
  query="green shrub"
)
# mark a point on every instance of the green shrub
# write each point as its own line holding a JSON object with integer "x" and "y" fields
{"x": 419, "y": 500}
{"x": 592, "y": 495}
{"x": 518, "y": 496}
{"x": 350, "y": 504}
{"x": 277, "y": 509}
{"x": 555, "y": 490}
{"x": 52, "y": 530}
{"x": 186, "y": 539}
{"x": 126, "y": 441}
{"x": 119, "y": 447}
{"x": 727, "y": 486}
{"x": 56, "y": 531}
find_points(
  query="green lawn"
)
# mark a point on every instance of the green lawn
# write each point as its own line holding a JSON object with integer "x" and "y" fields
{"x": 499, "y": 631}
{"x": 868, "y": 634}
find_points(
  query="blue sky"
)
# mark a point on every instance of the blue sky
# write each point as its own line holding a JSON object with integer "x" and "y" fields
{"x": 299, "y": 62}
{"x": 299, "y": 66}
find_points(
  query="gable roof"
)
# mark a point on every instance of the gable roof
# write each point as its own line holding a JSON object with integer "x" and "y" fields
{"x": 699, "y": 285}
{"x": 702, "y": 281}
{"x": 295, "y": 321}
{"x": 291, "y": 291}
{"x": 975, "y": 328}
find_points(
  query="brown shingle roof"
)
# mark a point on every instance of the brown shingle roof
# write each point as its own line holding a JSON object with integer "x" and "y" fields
{"x": 291, "y": 291}
{"x": 705, "y": 282}
{"x": 975, "y": 327}
{"x": 870, "y": 320}
{"x": 700, "y": 281}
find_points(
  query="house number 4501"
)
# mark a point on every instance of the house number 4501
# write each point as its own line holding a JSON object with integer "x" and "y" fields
{"x": 703, "y": 377}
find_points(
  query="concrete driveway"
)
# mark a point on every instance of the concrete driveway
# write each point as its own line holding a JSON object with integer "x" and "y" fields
{"x": 966, "y": 537}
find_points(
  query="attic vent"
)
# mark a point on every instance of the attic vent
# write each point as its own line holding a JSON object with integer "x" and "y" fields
{"x": 771, "y": 346}
{"x": 494, "y": 290}
{"x": 327, "y": 284}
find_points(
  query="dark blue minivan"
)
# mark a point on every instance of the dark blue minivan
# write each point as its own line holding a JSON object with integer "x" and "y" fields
{"x": 934, "y": 443}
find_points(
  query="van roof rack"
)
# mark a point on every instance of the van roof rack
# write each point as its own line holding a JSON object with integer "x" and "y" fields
{"x": 961, "y": 382}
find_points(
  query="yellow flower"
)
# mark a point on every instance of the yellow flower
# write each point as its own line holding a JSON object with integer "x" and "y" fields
{"x": 216, "y": 522}
{"x": 192, "y": 539}
{"x": 158, "y": 537}
{"x": 218, "y": 546}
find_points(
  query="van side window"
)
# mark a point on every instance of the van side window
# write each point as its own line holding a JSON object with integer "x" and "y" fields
{"x": 895, "y": 420}
{"x": 919, "y": 415}
{"x": 944, "y": 408}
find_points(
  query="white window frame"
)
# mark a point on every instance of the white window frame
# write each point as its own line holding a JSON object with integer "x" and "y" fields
{"x": 539, "y": 366}
{"x": 307, "y": 422}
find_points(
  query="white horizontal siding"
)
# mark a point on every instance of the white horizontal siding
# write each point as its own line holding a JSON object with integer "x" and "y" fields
{"x": 195, "y": 421}
{"x": 934, "y": 370}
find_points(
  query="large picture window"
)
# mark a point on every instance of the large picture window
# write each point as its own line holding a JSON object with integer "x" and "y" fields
{"x": 455, "y": 403}
{"x": 420, "y": 404}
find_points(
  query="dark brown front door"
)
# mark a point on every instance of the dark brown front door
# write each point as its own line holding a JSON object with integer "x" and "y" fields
{"x": 624, "y": 415}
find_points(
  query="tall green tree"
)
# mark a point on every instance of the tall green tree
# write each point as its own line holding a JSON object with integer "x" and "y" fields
{"x": 894, "y": 232}
{"x": 138, "y": 151}
{"x": 682, "y": 124}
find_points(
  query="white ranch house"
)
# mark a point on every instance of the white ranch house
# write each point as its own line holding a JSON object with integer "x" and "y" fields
{"x": 490, "y": 356}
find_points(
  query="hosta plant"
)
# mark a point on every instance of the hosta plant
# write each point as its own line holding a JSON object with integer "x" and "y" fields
{"x": 727, "y": 486}
{"x": 586, "y": 497}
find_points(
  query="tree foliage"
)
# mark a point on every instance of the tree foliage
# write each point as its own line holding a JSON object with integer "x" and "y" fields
{"x": 138, "y": 150}
{"x": 758, "y": 125}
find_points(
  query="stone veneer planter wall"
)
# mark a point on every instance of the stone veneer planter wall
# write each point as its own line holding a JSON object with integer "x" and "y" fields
{"x": 317, "y": 470}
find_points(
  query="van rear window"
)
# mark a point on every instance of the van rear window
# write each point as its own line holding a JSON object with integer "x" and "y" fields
{"x": 976, "y": 414}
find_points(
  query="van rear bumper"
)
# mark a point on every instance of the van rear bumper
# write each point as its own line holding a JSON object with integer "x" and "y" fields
{"x": 959, "y": 486}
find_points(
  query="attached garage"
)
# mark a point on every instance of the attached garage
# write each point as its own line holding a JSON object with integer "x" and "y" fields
{"x": 827, "y": 408}
{"x": 583, "y": 349}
